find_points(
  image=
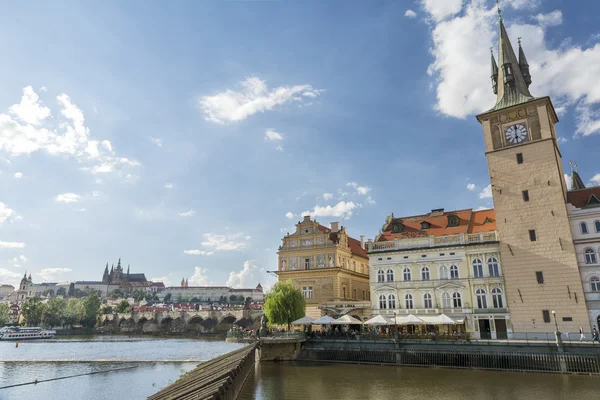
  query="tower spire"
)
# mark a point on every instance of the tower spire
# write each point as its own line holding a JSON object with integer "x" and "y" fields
{"x": 512, "y": 81}
{"x": 494, "y": 77}
{"x": 523, "y": 65}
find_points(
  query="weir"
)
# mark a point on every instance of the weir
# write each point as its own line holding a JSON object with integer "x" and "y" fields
{"x": 221, "y": 378}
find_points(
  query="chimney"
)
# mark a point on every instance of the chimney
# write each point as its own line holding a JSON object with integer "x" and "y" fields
{"x": 306, "y": 218}
{"x": 335, "y": 227}
{"x": 362, "y": 241}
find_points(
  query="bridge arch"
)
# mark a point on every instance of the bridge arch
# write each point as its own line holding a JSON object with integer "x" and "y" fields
{"x": 127, "y": 325}
{"x": 195, "y": 324}
{"x": 225, "y": 323}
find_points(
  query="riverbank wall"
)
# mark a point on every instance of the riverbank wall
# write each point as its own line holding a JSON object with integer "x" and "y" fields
{"x": 522, "y": 357}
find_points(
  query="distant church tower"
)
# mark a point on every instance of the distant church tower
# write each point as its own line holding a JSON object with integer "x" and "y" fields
{"x": 529, "y": 191}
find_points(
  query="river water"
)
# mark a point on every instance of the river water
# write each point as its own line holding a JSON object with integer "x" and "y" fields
{"x": 159, "y": 362}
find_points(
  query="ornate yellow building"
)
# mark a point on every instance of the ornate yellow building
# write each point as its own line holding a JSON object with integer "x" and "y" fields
{"x": 329, "y": 267}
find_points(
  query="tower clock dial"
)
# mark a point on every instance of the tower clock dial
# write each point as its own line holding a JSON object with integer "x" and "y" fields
{"x": 515, "y": 133}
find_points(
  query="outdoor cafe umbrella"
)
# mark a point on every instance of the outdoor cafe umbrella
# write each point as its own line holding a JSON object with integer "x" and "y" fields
{"x": 443, "y": 319}
{"x": 324, "y": 320}
{"x": 378, "y": 320}
{"x": 303, "y": 321}
{"x": 347, "y": 320}
{"x": 408, "y": 320}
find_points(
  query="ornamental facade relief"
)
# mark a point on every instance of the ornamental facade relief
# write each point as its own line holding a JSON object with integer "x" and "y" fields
{"x": 321, "y": 260}
{"x": 307, "y": 242}
{"x": 293, "y": 243}
{"x": 293, "y": 263}
{"x": 320, "y": 240}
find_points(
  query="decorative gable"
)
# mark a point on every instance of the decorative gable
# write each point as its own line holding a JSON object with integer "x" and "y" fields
{"x": 593, "y": 201}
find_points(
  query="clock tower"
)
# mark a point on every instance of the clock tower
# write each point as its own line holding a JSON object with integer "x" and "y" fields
{"x": 539, "y": 263}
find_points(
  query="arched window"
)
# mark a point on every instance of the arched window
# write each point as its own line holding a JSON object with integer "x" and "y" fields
{"x": 453, "y": 272}
{"x": 382, "y": 303}
{"x": 380, "y": 276}
{"x": 457, "y": 300}
{"x": 443, "y": 272}
{"x": 497, "y": 298}
{"x": 481, "y": 298}
{"x": 493, "y": 267}
{"x": 391, "y": 301}
{"x": 408, "y": 300}
{"x": 584, "y": 228}
{"x": 406, "y": 274}
{"x": 477, "y": 268}
{"x": 390, "y": 275}
{"x": 590, "y": 256}
{"x": 425, "y": 273}
{"x": 446, "y": 302}
{"x": 595, "y": 284}
{"x": 597, "y": 225}
{"x": 427, "y": 302}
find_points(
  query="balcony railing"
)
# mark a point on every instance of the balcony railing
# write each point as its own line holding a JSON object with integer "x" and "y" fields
{"x": 433, "y": 241}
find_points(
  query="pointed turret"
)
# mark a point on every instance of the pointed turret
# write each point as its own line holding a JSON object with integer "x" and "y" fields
{"x": 182, "y": 282}
{"x": 105, "y": 275}
{"x": 186, "y": 283}
{"x": 576, "y": 181}
{"x": 512, "y": 85}
{"x": 29, "y": 279}
{"x": 523, "y": 65}
{"x": 119, "y": 264}
{"x": 494, "y": 74}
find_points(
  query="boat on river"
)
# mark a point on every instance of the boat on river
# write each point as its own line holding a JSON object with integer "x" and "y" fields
{"x": 18, "y": 333}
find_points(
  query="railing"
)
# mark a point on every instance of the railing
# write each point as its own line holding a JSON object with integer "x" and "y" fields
{"x": 433, "y": 241}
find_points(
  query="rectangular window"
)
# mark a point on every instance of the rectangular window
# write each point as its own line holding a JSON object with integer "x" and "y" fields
{"x": 304, "y": 292}
{"x": 532, "y": 235}
{"x": 519, "y": 158}
{"x": 567, "y": 319}
{"x": 363, "y": 295}
{"x": 546, "y": 315}
{"x": 525, "y": 195}
{"x": 539, "y": 276}
{"x": 354, "y": 295}
{"x": 306, "y": 263}
{"x": 310, "y": 292}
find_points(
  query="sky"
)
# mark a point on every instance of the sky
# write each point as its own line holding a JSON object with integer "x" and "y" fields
{"x": 188, "y": 138}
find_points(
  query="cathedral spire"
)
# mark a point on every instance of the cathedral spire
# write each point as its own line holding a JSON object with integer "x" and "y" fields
{"x": 494, "y": 77}
{"x": 523, "y": 65}
{"x": 513, "y": 88}
{"x": 576, "y": 181}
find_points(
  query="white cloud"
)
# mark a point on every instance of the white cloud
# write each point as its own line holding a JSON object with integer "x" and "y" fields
{"x": 163, "y": 279}
{"x": 270, "y": 134}
{"x": 199, "y": 278}
{"x": 18, "y": 259}
{"x": 461, "y": 63}
{"x": 486, "y": 193}
{"x": 289, "y": 214}
{"x": 596, "y": 179}
{"x": 410, "y": 14}
{"x": 18, "y": 175}
{"x": 327, "y": 196}
{"x": 568, "y": 181}
{"x": 370, "y": 200}
{"x": 440, "y": 9}
{"x": 168, "y": 185}
{"x": 10, "y": 277}
{"x": 249, "y": 277}
{"x": 66, "y": 136}
{"x": 342, "y": 209}
{"x": 562, "y": 139}
{"x": 482, "y": 208}
{"x": 279, "y": 148}
{"x": 362, "y": 190}
{"x": 30, "y": 110}
{"x": 471, "y": 186}
{"x": 198, "y": 252}
{"x": 156, "y": 141}
{"x": 189, "y": 213}
{"x": 52, "y": 274}
{"x": 68, "y": 198}
{"x": 254, "y": 97}
{"x": 225, "y": 242}
{"x": 5, "y": 212}
{"x": 11, "y": 245}
{"x": 551, "y": 19}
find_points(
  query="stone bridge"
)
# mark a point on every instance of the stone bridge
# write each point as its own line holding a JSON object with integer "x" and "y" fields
{"x": 194, "y": 322}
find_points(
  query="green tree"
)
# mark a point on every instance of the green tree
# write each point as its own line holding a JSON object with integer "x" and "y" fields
{"x": 194, "y": 300}
{"x": 4, "y": 313}
{"x": 74, "y": 312}
{"x": 167, "y": 297}
{"x": 61, "y": 291}
{"x": 48, "y": 293}
{"x": 284, "y": 303}
{"x": 233, "y": 298}
{"x": 248, "y": 300}
{"x": 116, "y": 294}
{"x": 106, "y": 310}
{"x": 32, "y": 311}
{"x": 55, "y": 311}
{"x": 123, "y": 307}
{"x": 155, "y": 298}
{"x": 91, "y": 306}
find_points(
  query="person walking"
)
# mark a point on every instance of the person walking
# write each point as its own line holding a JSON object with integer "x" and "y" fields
{"x": 581, "y": 334}
{"x": 595, "y": 335}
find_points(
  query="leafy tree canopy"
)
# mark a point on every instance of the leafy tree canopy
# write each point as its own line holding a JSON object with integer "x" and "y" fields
{"x": 55, "y": 311}
{"x": 4, "y": 313}
{"x": 32, "y": 311}
{"x": 284, "y": 303}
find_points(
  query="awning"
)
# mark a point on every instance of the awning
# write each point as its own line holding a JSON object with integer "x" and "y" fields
{"x": 324, "y": 320}
{"x": 347, "y": 320}
{"x": 303, "y": 321}
{"x": 408, "y": 320}
{"x": 442, "y": 319}
{"x": 379, "y": 320}
{"x": 445, "y": 320}
{"x": 459, "y": 320}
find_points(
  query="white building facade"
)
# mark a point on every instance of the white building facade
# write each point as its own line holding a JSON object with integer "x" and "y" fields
{"x": 441, "y": 263}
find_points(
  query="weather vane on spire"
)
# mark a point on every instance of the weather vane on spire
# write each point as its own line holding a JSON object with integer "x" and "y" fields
{"x": 519, "y": 40}
{"x": 499, "y": 10}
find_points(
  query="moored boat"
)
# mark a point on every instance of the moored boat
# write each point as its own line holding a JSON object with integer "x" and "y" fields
{"x": 18, "y": 333}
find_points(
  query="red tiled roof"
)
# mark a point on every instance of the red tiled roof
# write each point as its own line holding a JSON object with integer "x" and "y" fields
{"x": 469, "y": 221}
{"x": 580, "y": 198}
{"x": 355, "y": 247}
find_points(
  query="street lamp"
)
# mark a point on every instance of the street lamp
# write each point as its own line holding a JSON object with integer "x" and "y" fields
{"x": 555, "y": 323}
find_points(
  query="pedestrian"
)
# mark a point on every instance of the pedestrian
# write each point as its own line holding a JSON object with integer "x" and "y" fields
{"x": 581, "y": 334}
{"x": 595, "y": 335}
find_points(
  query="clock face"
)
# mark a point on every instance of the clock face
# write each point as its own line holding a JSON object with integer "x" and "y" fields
{"x": 515, "y": 133}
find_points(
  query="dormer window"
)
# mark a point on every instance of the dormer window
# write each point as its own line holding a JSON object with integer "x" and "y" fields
{"x": 508, "y": 73}
{"x": 425, "y": 225}
{"x": 397, "y": 227}
{"x": 453, "y": 221}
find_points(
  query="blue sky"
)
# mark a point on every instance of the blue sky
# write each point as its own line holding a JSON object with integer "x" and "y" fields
{"x": 188, "y": 139}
